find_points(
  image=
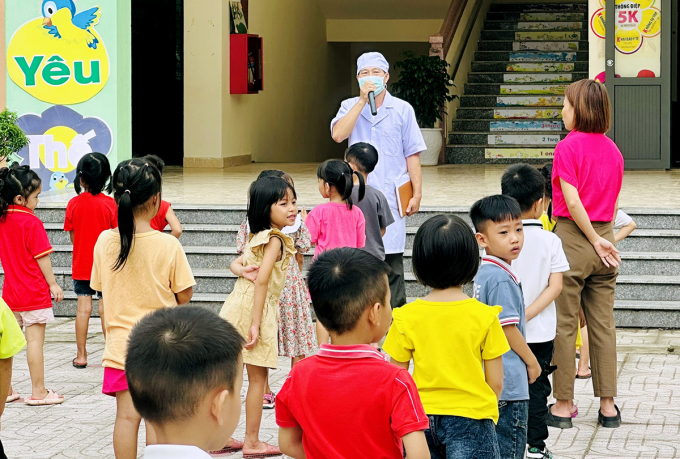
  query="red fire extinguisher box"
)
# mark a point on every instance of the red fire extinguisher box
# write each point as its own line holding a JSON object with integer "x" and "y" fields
{"x": 245, "y": 64}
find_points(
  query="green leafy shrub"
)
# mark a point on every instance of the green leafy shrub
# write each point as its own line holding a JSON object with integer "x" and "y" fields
{"x": 424, "y": 83}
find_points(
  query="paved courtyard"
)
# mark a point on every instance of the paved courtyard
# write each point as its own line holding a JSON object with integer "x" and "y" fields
{"x": 649, "y": 398}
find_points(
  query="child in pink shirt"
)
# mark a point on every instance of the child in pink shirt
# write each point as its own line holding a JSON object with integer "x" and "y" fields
{"x": 337, "y": 223}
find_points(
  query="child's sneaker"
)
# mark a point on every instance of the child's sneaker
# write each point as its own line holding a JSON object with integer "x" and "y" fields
{"x": 537, "y": 453}
{"x": 269, "y": 401}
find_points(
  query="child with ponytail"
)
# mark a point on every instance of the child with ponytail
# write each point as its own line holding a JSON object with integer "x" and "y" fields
{"x": 138, "y": 270}
{"x": 29, "y": 280}
{"x": 87, "y": 216}
{"x": 337, "y": 223}
{"x": 253, "y": 305}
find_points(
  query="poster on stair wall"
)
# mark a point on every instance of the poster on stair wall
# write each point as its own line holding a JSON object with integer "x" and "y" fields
{"x": 638, "y": 41}
{"x": 60, "y": 59}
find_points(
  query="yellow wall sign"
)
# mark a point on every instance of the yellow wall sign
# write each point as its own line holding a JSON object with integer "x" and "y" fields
{"x": 59, "y": 58}
{"x": 634, "y": 21}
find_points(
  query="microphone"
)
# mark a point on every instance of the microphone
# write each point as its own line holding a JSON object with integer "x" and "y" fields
{"x": 371, "y": 103}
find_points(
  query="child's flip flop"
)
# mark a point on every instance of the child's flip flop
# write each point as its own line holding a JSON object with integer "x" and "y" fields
{"x": 230, "y": 449}
{"x": 52, "y": 398}
{"x": 12, "y": 397}
{"x": 271, "y": 451}
{"x": 79, "y": 366}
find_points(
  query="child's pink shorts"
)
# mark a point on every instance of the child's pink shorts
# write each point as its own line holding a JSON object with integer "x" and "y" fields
{"x": 114, "y": 381}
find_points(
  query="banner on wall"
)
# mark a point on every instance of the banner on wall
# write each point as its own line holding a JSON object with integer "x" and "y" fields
{"x": 58, "y": 69}
{"x": 638, "y": 46}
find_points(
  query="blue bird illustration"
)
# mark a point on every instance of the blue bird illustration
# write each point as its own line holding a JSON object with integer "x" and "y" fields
{"x": 58, "y": 181}
{"x": 61, "y": 20}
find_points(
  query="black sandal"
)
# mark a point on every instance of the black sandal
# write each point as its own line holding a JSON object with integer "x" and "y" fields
{"x": 558, "y": 422}
{"x": 79, "y": 366}
{"x": 610, "y": 422}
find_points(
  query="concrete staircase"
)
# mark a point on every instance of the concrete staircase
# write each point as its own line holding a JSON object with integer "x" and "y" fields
{"x": 648, "y": 290}
{"x": 511, "y": 108}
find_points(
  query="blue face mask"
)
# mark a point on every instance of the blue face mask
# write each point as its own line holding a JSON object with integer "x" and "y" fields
{"x": 377, "y": 81}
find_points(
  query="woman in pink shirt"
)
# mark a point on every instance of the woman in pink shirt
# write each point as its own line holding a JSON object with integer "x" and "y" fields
{"x": 337, "y": 223}
{"x": 586, "y": 178}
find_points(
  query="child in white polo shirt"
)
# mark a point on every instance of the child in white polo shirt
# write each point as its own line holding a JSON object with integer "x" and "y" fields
{"x": 540, "y": 266}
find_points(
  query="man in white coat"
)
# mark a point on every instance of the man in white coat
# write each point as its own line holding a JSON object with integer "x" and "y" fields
{"x": 394, "y": 132}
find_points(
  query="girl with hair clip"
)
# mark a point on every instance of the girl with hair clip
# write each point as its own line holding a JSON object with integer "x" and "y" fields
{"x": 138, "y": 270}
{"x": 337, "y": 223}
{"x": 165, "y": 216}
{"x": 296, "y": 329}
{"x": 87, "y": 216}
{"x": 29, "y": 280}
{"x": 253, "y": 305}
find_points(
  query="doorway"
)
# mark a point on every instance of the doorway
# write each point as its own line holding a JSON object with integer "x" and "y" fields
{"x": 158, "y": 79}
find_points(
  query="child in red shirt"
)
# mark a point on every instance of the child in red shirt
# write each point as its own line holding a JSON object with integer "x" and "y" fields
{"x": 165, "y": 215}
{"x": 87, "y": 215}
{"x": 29, "y": 280}
{"x": 375, "y": 410}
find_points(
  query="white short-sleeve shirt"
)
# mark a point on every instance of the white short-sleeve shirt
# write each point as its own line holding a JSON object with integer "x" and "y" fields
{"x": 541, "y": 255}
{"x": 622, "y": 219}
{"x": 394, "y": 132}
{"x": 175, "y": 452}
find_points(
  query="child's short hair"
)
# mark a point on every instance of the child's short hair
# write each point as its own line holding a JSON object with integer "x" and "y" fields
{"x": 363, "y": 155}
{"x": 16, "y": 180}
{"x": 445, "y": 252}
{"x": 343, "y": 283}
{"x": 263, "y": 194}
{"x": 95, "y": 171}
{"x": 276, "y": 173}
{"x": 592, "y": 108}
{"x": 497, "y": 208}
{"x": 156, "y": 161}
{"x": 175, "y": 357}
{"x": 524, "y": 183}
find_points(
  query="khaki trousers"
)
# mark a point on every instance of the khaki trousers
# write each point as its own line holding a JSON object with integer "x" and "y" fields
{"x": 589, "y": 284}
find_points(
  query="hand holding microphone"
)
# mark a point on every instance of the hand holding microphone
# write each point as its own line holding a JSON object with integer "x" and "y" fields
{"x": 368, "y": 95}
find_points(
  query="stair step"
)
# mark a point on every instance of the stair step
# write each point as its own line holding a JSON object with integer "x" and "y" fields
{"x": 532, "y": 35}
{"x": 555, "y": 45}
{"x": 509, "y": 113}
{"x": 536, "y": 16}
{"x": 548, "y": 89}
{"x": 539, "y": 7}
{"x": 482, "y": 154}
{"x": 536, "y": 77}
{"x": 511, "y": 101}
{"x": 193, "y": 234}
{"x": 534, "y": 25}
{"x": 69, "y": 306}
{"x": 528, "y": 55}
{"x": 524, "y": 66}
{"x": 647, "y": 314}
{"x": 503, "y": 126}
{"x": 504, "y": 139}
{"x": 630, "y": 289}
{"x": 627, "y": 313}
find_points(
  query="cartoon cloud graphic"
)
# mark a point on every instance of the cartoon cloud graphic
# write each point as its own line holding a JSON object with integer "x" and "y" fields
{"x": 59, "y": 137}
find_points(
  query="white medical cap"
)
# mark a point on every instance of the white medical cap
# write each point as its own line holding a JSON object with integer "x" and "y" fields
{"x": 372, "y": 60}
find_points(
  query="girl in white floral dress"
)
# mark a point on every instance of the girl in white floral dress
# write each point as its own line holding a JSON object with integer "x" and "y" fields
{"x": 297, "y": 336}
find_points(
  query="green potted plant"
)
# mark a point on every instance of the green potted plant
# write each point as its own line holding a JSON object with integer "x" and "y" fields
{"x": 424, "y": 83}
{"x": 12, "y": 138}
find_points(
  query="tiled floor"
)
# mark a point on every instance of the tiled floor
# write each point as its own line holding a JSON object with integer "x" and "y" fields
{"x": 451, "y": 185}
{"x": 82, "y": 428}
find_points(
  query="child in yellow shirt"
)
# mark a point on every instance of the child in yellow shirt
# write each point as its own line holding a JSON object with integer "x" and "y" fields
{"x": 456, "y": 343}
{"x": 11, "y": 342}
